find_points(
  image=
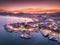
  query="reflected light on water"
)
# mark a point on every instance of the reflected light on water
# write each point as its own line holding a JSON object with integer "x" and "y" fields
{"x": 23, "y": 19}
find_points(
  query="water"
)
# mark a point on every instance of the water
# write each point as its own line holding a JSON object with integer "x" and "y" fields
{"x": 7, "y": 38}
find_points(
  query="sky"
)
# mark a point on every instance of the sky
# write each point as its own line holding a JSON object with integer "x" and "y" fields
{"x": 30, "y": 5}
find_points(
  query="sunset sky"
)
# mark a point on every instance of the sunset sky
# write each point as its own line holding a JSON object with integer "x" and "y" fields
{"x": 30, "y": 5}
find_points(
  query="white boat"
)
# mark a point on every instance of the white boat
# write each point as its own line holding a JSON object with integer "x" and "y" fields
{"x": 25, "y": 36}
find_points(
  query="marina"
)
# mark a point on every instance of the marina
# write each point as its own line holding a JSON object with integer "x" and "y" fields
{"x": 50, "y": 29}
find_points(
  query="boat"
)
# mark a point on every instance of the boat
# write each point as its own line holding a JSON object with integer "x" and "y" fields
{"x": 25, "y": 36}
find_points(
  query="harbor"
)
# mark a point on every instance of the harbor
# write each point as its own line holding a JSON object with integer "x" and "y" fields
{"x": 48, "y": 28}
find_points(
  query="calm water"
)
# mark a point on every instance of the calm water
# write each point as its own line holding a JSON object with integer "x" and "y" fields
{"x": 7, "y": 38}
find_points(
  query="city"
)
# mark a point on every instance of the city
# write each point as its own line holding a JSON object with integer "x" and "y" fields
{"x": 48, "y": 26}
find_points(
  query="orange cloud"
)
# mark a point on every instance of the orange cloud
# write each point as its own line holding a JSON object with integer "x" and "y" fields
{"x": 1, "y": 10}
{"x": 32, "y": 10}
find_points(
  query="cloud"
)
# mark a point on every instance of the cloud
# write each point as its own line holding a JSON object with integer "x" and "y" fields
{"x": 32, "y": 10}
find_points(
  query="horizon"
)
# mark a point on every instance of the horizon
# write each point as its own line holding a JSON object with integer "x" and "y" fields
{"x": 31, "y": 10}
